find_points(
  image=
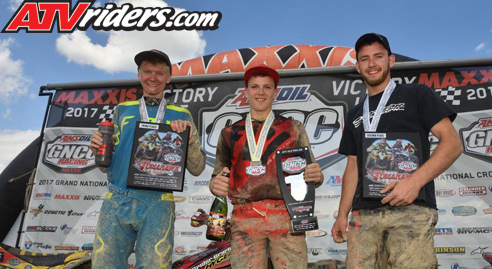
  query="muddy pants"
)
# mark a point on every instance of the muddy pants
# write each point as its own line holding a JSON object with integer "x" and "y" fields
{"x": 263, "y": 228}
{"x": 144, "y": 219}
{"x": 405, "y": 234}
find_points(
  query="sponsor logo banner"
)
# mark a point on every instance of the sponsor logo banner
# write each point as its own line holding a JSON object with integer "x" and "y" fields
{"x": 450, "y": 250}
{"x": 69, "y": 154}
{"x": 473, "y": 191}
{"x": 477, "y": 139}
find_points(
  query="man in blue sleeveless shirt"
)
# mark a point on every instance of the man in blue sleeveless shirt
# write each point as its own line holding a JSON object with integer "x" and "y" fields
{"x": 139, "y": 218}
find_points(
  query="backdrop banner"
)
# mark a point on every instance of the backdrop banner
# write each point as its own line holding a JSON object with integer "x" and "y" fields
{"x": 69, "y": 188}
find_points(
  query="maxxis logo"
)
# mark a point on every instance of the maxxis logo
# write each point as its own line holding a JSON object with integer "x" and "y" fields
{"x": 40, "y": 16}
{"x": 323, "y": 120}
{"x": 477, "y": 139}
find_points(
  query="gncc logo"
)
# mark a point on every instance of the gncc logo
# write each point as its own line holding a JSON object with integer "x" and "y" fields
{"x": 477, "y": 139}
{"x": 294, "y": 165}
{"x": 69, "y": 154}
{"x": 322, "y": 120}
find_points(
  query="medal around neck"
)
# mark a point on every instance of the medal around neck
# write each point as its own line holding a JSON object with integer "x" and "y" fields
{"x": 298, "y": 195}
{"x": 256, "y": 168}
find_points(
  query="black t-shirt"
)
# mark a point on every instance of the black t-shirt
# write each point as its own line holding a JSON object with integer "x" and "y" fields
{"x": 411, "y": 108}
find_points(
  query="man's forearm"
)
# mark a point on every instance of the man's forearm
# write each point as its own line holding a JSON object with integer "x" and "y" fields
{"x": 195, "y": 162}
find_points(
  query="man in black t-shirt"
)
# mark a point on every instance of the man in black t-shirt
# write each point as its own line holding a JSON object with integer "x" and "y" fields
{"x": 398, "y": 224}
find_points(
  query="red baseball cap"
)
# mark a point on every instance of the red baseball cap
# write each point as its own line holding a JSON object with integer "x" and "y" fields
{"x": 261, "y": 69}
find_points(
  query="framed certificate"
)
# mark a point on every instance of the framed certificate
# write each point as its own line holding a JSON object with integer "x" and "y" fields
{"x": 389, "y": 157}
{"x": 158, "y": 159}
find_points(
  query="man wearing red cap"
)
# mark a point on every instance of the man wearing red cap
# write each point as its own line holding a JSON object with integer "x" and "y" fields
{"x": 136, "y": 218}
{"x": 260, "y": 221}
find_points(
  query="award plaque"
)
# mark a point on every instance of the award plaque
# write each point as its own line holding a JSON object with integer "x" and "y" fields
{"x": 389, "y": 157}
{"x": 298, "y": 195}
{"x": 158, "y": 157}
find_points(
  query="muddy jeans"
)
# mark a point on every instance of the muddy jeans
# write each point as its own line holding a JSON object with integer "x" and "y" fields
{"x": 405, "y": 234}
{"x": 144, "y": 219}
{"x": 263, "y": 228}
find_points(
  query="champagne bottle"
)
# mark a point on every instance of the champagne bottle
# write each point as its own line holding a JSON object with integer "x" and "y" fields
{"x": 217, "y": 220}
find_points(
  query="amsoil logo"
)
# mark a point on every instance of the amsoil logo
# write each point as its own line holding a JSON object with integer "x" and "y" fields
{"x": 69, "y": 154}
{"x": 473, "y": 191}
{"x": 42, "y": 196}
{"x": 477, "y": 139}
{"x": 323, "y": 120}
{"x": 40, "y": 17}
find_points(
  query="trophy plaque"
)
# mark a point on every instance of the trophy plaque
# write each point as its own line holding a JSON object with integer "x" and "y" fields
{"x": 389, "y": 157}
{"x": 298, "y": 195}
{"x": 158, "y": 157}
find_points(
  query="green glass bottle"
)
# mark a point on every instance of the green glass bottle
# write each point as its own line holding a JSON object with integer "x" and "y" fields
{"x": 217, "y": 220}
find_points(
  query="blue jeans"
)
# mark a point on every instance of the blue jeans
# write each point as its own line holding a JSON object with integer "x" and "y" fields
{"x": 140, "y": 218}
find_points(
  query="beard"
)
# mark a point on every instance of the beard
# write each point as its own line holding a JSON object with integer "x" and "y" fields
{"x": 373, "y": 82}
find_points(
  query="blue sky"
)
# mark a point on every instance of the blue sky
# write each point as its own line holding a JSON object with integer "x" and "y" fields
{"x": 425, "y": 30}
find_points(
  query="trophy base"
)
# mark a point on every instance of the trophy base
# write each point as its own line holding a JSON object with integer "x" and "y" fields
{"x": 304, "y": 224}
